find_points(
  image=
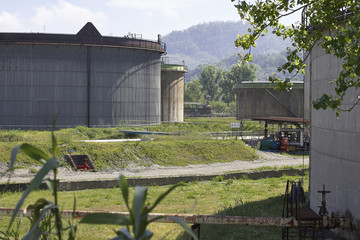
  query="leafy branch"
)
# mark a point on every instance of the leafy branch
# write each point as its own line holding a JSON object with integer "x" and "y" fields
{"x": 340, "y": 19}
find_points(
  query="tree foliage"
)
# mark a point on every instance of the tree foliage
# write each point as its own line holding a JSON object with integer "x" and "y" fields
{"x": 209, "y": 79}
{"x": 340, "y": 19}
{"x": 236, "y": 75}
{"x": 219, "y": 83}
{"x": 193, "y": 92}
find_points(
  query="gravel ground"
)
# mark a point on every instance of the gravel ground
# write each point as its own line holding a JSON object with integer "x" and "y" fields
{"x": 266, "y": 159}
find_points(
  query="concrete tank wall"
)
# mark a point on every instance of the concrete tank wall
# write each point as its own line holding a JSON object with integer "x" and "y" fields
{"x": 334, "y": 158}
{"x": 259, "y": 99}
{"x": 78, "y": 84}
{"x": 38, "y": 82}
{"x": 172, "y": 95}
{"x": 125, "y": 85}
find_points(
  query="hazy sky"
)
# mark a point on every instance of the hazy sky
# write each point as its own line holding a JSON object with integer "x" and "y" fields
{"x": 112, "y": 17}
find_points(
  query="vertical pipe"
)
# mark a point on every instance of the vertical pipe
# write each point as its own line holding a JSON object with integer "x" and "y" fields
{"x": 310, "y": 116}
{"x": 149, "y": 91}
{"x": 88, "y": 68}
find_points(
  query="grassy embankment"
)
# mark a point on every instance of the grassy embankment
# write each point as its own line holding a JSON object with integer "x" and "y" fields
{"x": 233, "y": 197}
{"x": 192, "y": 146}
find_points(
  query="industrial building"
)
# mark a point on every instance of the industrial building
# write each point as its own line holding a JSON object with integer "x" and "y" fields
{"x": 84, "y": 79}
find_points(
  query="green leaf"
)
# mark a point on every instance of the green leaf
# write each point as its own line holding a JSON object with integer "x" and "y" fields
{"x": 155, "y": 219}
{"x": 37, "y": 180}
{"x": 74, "y": 208}
{"x": 147, "y": 235}
{"x": 53, "y": 139}
{"x": 51, "y": 185}
{"x": 36, "y": 207}
{"x": 123, "y": 234}
{"x": 35, "y": 229}
{"x": 138, "y": 204}
{"x": 33, "y": 152}
{"x": 124, "y": 190}
{"x": 105, "y": 218}
{"x": 54, "y": 144}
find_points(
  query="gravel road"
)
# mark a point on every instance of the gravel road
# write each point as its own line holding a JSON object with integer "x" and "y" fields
{"x": 266, "y": 159}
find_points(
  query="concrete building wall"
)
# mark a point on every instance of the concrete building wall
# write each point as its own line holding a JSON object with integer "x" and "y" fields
{"x": 334, "y": 159}
{"x": 263, "y": 101}
{"x": 79, "y": 85}
{"x": 172, "y": 95}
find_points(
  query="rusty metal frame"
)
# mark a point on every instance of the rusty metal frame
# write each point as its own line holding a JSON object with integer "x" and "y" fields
{"x": 188, "y": 218}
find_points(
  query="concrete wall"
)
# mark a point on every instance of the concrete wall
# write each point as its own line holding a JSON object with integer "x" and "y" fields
{"x": 263, "y": 101}
{"x": 80, "y": 85}
{"x": 334, "y": 159}
{"x": 172, "y": 95}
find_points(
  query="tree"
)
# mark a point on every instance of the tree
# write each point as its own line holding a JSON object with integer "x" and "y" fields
{"x": 193, "y": 91}
{"x": 340, "y": 19}
{"x": 236, "y": 75}
{"x": 209, "y": 79}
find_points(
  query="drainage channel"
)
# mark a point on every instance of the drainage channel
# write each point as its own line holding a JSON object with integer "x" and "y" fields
{"x": 157, "y": 181}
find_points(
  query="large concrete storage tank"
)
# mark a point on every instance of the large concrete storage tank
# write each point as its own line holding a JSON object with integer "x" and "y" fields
{"x": 172, "y": 92}
{"x": 334, "y": 158}
{"x": 83, "y": 79}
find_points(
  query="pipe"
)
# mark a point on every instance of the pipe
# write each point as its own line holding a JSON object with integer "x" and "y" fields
{"x": 88, "y": 78}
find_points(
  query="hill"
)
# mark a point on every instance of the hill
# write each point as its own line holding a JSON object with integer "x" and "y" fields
{"x": 214, "y": 41}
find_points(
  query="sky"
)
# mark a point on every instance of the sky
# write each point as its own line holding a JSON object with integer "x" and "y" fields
{"x": 112, "y": 17}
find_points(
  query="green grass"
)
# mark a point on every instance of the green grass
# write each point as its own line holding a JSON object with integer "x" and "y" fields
{"x": 269, "y": 168}
{"x": 233, "y": 197}
{"x": 175, "y": 152}
{"x": 200, "y": 125}
{"x": 191, "y": 147}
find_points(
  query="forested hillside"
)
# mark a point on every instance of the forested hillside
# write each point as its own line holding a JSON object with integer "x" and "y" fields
{"x": 266, "y": 64}
{"x": 209, "y": 51}
{"x": 212, "y": 42}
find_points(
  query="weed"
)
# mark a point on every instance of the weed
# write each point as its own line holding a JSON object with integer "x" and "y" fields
{"x": 10, "y": 136}
{"x": 191, "y": 195}
{"x": 229, "y": 181}
{"x": 13, "y": 233}
{"x": 245, "y": 177}
{"x": 218, "y": 178}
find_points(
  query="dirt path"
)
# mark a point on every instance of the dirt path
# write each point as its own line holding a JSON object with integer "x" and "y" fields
{"x": 267, "y": 159}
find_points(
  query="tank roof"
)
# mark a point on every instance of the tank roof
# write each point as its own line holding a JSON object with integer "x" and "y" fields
{"x": 89, "y": 30}
{"x": 265, "y": 84}
{"x": 174, "y": 67}
{"x": 88, "y": 36}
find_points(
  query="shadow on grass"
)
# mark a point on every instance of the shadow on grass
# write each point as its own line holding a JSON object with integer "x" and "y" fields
{"x": 271, "y": 207}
